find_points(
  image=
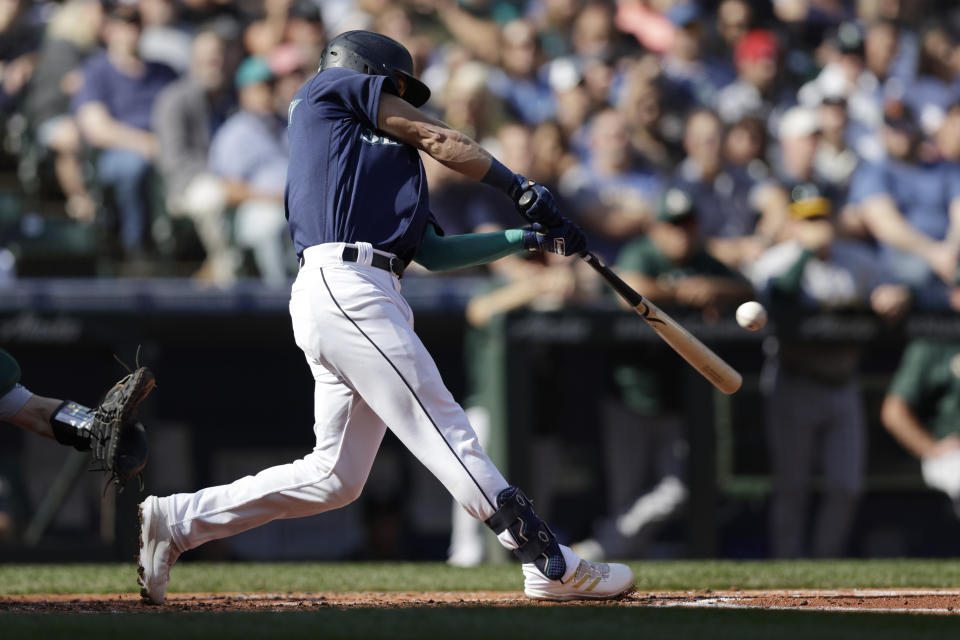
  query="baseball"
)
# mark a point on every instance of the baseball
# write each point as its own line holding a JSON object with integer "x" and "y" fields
{"x": 751, "y": 315}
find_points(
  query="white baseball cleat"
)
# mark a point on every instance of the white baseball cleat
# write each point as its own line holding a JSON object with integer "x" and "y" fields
{"x": 157, "y": 551}
{"x": 583, "y": 580}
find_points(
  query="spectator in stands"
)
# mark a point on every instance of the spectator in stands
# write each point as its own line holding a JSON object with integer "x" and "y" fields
{"x": 756, "y": 91}
{"x": 19, "y": 41}
{"x": 164, "y": 39}
{"x": 859, "y": 69}
{"x": 113, "y": 109}
{"x": 728, "y": 199}
{"x": 690, "y": 78}
{"x": 733, "y": 21}
{"x": 800, "y": 25}
{"x": 306, "y": 32}
{"x": 814, "y": 410}
{"x": 519, "y": 83}
{"x": 644, "y": 431}
{"x": 592, "y": 34}
{"x": 186, "y": 117}
{"x": 745, "y": 146}
{"x": 908, "y": 204}
{"x": 650, "y": 124}
{"x": 612, "y": 193}
{"x": 835, "y": 161}
{"x": 936, "y": 86}
{"x": 552, "y": 156}
{"x": 554, "y": 19}
{"x": 266, "y": 33}
{"x": 469, "y": 105}
{"x": 922, "y": 411}
{"x": 948, "y": 135}
{"x": 72, "y": 33}
{"x": 249, "y": 152}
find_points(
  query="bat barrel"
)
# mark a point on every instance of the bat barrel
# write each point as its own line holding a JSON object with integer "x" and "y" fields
{"x": 689, "y": 347}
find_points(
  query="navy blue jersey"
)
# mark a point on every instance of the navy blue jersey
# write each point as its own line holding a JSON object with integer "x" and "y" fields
{"x": 346, "y": 181}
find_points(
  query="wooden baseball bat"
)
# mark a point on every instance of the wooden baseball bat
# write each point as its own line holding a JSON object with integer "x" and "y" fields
{"x": 698, "y": 355}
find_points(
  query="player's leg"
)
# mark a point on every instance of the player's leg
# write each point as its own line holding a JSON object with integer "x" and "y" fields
{"x": 467, "y": 534}
{"x": 356, "y": 320}
{"x": 628, "y": 455}
{"x": 843, "y": 454}
{"x": 791, "y": 415}
{"x": 348, "y": 436}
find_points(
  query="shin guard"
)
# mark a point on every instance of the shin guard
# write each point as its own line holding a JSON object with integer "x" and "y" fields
{"x": 536, "y": 543}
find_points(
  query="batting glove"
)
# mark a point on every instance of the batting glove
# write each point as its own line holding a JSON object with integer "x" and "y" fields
{"x": 535, "y": 202}
{"x": 566, "y": 239}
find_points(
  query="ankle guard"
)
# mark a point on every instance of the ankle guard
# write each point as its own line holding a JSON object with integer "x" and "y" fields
{"x": 71, "y": 423}
{"x": 537, "y": 544}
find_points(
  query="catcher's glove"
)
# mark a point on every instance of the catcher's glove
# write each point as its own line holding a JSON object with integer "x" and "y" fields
{"x": 118, "y": 442}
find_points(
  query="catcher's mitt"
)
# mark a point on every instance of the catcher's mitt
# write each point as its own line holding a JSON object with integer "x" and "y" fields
{"x": 118, "y": 442}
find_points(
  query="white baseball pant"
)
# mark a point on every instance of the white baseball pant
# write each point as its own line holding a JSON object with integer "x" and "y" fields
{"x": 372, "y": 372}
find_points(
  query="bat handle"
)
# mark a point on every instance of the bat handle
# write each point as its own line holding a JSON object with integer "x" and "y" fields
{"x": 626, "y": 291}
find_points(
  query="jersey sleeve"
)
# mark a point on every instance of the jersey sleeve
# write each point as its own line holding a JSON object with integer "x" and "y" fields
{"x": 342, "y": 93}
{"x": 94, "y": 85}
{"x": 909, "y": 380}
{"x": 868, "y": 180}
{"x": 952, "y": 179}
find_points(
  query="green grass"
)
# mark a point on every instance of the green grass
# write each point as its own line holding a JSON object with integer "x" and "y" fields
{"x": 665, "y": 575}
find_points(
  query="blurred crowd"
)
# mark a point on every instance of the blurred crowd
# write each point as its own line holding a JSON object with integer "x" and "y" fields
{"x": 144, "y": 109}
{"x": 802, "y": 152}
{"x": 160, "y": 110}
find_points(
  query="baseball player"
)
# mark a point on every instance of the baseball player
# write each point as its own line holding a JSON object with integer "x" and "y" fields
{"x": 117, "y": 442}
{"x": 922, "y": 411}
{"x": 814, "y": 413}
{"x": 357, "y": 207}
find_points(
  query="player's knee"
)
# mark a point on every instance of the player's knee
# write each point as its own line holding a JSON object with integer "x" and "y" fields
{"x": 9, "y": 372}
{"x": 350, "y": 491}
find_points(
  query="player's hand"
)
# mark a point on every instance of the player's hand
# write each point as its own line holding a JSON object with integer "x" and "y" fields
{"x": 535, "y": 202}
{"x": 565, "y": 239}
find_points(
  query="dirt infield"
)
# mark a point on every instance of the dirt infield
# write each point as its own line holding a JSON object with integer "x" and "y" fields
{"x": 917, "y": 601}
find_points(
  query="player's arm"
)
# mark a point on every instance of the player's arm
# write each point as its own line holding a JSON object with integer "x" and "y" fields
{"x": 451, "y": 148}
{"x": 885, "y": 223}
{"x": 103, "y": 131}
{"x": 444, "y": 253}
{"x": 403, "y": 121}
{"x": 903, "y": 424}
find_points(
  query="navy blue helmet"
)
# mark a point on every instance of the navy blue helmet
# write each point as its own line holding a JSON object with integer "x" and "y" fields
{"x": 375, "y": 54}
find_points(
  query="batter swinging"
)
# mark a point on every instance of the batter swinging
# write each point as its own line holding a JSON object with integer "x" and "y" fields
{"x": 356, "y": 202}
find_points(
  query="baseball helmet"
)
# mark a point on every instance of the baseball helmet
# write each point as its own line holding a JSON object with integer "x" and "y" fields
{"x": 377, "y": 55}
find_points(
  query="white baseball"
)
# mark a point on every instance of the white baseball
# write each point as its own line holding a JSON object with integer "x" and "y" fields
{"x": 751, "y": 315}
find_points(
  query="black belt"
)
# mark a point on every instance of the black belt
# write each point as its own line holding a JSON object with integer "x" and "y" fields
{"x": 394, "y": 264}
